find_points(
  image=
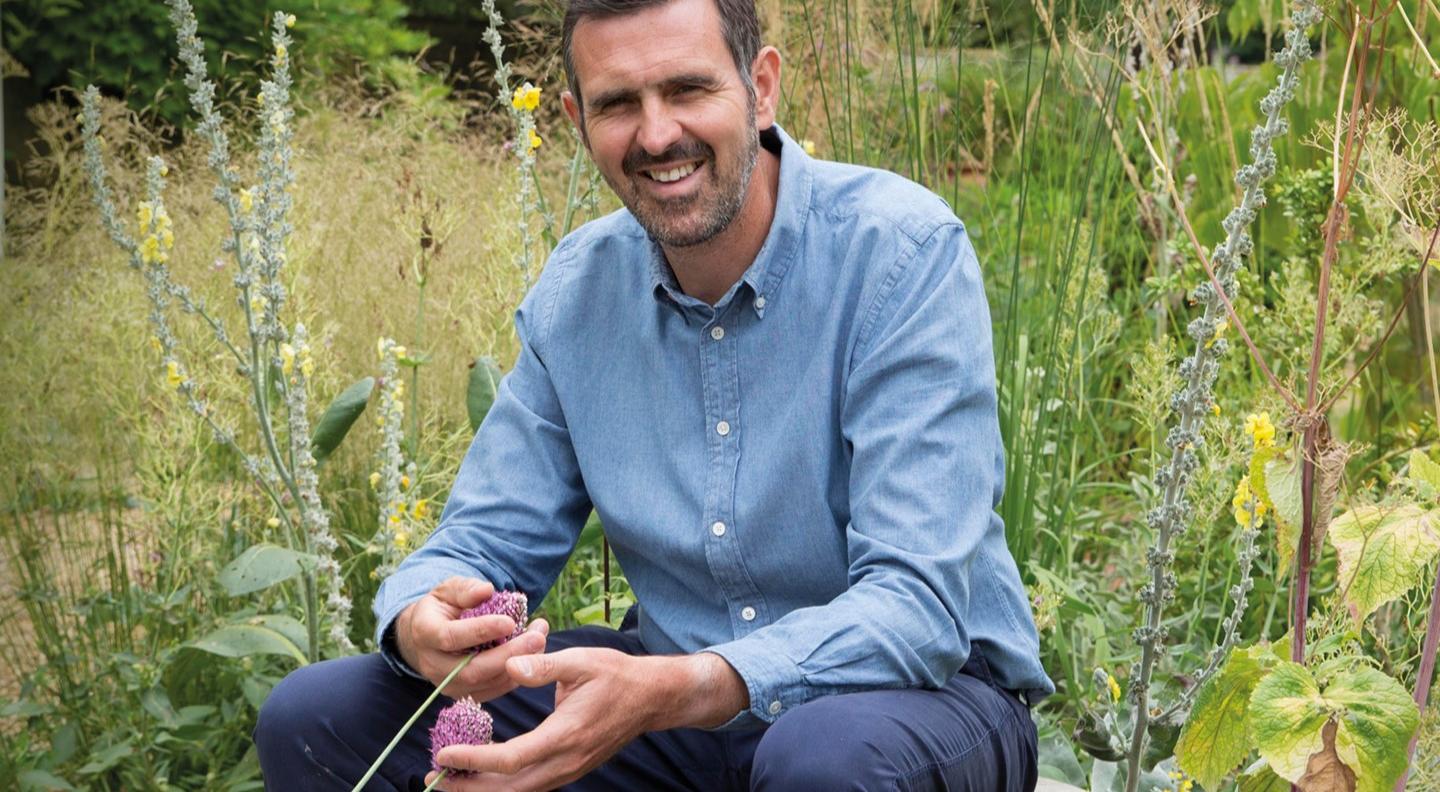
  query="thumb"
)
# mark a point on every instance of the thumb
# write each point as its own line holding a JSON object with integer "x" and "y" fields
{"x": 536, "y": 670}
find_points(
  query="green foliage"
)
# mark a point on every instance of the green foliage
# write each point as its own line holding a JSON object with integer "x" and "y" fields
{"x": 1383, "y": 551}
{"x": 127, "y": 46}
{"x": 342, "y": 413}
{"x": 261, "y": 566}
{"x": 1363, "y": 719}
{"x": 480, "y": 392}
{"x": 1217, "y": 737}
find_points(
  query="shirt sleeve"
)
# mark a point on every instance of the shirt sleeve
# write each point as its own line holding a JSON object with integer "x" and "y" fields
{"x": 927, "y": 468}
{"x": 518, "y": 504}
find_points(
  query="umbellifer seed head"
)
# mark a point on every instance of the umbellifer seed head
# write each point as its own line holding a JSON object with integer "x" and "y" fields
{"x": 503, "y": 603}
{"x": 461, "y": 723}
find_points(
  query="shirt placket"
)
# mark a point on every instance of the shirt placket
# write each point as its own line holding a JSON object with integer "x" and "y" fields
{"x": 720, "y": 368}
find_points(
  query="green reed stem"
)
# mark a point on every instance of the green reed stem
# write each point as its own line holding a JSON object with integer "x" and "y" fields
{"x": 394, "y": 741}
{"x": 432, "y": 784}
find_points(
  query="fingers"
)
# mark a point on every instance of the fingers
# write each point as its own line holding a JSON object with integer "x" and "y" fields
{"x": 536, "y": 670}
{"x": 463, "y": 592}
{"x": 507, "y": 758}
{"x": 489, "y": 666}
{"x": 459, "y": 635}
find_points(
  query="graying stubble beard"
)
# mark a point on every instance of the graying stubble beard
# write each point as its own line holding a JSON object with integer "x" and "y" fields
{"x": 725, "y": 210}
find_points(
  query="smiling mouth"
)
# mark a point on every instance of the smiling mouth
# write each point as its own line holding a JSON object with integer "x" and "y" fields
{"x": 669, "y": 175}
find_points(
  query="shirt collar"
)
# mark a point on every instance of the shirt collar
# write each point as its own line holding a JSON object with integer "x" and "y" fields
{"x": 792, "y": 206}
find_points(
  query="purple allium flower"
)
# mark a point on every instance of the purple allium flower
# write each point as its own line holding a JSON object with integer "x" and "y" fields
{"x": 461, "y": 723}
{"x": 503, "y": 603}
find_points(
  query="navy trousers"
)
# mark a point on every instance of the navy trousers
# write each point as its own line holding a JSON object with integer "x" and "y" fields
{"x": 325, "y": 723}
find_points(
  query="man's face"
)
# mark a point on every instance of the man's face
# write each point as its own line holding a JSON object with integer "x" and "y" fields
{"x": 668, "y": 120}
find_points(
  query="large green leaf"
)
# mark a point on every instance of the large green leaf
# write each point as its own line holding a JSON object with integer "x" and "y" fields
{"x": 339, "y": 417}
{"x": 1286, "y": 716}
{"x": 1383, "y": 551}
{"x": 1216, "y": 737}
{"x": 243, "y": 640}
{"x": 1374, "y": 731}
{"x": 480, "y": 393}
{"x": 1370, "y": 720}
{"x": 288, "y": 626}
{"x": 261, "y": 566}
{"x": 1423, "y": 470}
{"x": 1260, "y": 778}
{"x": 1282, "y": 488}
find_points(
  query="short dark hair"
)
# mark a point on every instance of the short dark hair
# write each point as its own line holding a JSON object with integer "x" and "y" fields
{"x": 738, "y": 23}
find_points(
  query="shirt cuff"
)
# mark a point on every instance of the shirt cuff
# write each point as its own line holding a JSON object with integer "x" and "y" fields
{"x": 398, "y": 592}
{"x": 774, "y": 682}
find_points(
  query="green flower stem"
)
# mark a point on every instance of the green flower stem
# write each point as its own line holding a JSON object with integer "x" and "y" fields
{"x": 1170, "y": 518}
{"x": 437, "y": 780}
{"x": 394, "y": 741}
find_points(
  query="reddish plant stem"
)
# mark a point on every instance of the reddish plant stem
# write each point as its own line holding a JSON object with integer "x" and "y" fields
{"x": 1427, "y": 669}
{"x": 1312, "y": 419}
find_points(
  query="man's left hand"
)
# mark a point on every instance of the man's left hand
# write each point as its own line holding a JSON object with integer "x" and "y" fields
{"x": 603, "y": 700}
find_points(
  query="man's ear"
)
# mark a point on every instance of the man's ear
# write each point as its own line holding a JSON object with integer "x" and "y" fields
{"x": 572, "y": 109}
{"x": 765, "y": 71}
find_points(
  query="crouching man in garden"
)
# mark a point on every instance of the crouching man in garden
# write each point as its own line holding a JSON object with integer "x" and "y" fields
{"x": 772, "y": 378}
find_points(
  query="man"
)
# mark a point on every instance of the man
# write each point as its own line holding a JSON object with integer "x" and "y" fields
{"x": 772, "y": 378}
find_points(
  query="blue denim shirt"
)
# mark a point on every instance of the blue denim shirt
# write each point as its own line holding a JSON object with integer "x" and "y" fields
{"x": 801, "y": 478}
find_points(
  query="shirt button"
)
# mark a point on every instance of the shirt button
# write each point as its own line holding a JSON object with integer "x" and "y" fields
{"x": 718, "y": 529}
{"x": 775, "y": 708}
{"x": 717, "y": 332}
{"x": 723, "y": 428}
{"x": 760, "y": 301}
{"x": 747, "y": 613}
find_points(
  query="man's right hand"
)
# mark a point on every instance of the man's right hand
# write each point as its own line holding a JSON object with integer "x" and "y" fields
{"x": 432, "y": 639}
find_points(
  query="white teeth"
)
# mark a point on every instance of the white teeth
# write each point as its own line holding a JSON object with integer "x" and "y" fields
{"x": 674, "y": 174}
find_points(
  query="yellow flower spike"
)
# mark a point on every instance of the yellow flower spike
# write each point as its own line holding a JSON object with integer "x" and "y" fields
{"x": 164, "y": 169}
{"x": 532, "y": 97}
{"x": 395, "y": 518}
{"x": 281, "y": 52}
{"x": 247, "y": 200}
{"x": 535, "y": 140}
{"x": 167, "y": 239}
{"x": 143, "y": 215}
{"x": 517, "y": 100}
{"x": 404, "y": 482}
{"x": 307, "y": 367}
{"x": 155, "y": 344}
{"x": 808, "y": 146}
{"x": 375, "y": 480}
{"x": 273, "y": 522}
{"x": 1114, "y": 687}
{"x": 374, "y": 574}
{"x": 1260, "y": 429}
{"x": 287, "y": 358}
{"x": 399, "y": 353}
{"x": 402, "y": 540}
{"x": 380, "y": 348}
{"x": 172, "y": 374}
{"x": 290, "y": 20}
{"x": 150, "y": 250}
{"x": 422, "y": 509}
{"x": 1215, "y": 408}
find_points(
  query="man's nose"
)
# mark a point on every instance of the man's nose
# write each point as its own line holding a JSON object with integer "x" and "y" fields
{"x": 659, "y": 128}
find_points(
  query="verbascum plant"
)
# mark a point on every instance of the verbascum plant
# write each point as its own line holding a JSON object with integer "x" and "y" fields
{"x": 521, "y": 102}
{"x": 402, "y": 513}
{"x": 276, "y": 358}
{"x": 1195, "y": 401}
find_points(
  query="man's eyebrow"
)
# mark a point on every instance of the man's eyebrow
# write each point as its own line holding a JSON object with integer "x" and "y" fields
{"x": 614, "y": 95}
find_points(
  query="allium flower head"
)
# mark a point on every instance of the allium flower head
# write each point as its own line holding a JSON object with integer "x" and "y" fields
{"x": 504, "y": 603}
{"x": 462, "y": 723}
